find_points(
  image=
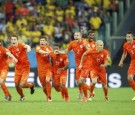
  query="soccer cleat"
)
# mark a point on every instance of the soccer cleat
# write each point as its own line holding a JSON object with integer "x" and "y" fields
{"x": 80, "y": 95}
{"x": 133, "y": 99}
{"x": 32, "y": 90}
{"x": 84, "y": 99}
{"x": 106, "y": 99}
{"x": 49, "y": 99}
{"x": 8, "y": 98}
{"x": 22, "y": 98}
{"x": 67, "y": 99}
{"x": 90, "y": 98}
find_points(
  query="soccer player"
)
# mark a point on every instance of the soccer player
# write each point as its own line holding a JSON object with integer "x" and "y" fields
{"x": 77, "y": 45}
{"x": 129, "y": 47}
{"x": 22, "y": 67}
{"x": 4, "y": 69}
{"x": 44, "y": 66}
{"x": 86, "y": 66}
{"x": 99, "y": 60}
{"x": 60, "y": 64}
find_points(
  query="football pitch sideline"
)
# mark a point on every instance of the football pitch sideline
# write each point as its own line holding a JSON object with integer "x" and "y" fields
{"x": 120, "y": 103}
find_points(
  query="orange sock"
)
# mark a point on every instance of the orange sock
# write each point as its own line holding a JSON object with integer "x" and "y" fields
{"x": 44, "y": 90}
{"x": 48, "y": 89}
{"x": 105, "y": 91}
{"x": 80, "y": 89}
{"x": 20, "y": 91}
{"x": 28, "y": 85}
{"x": 5, "y": 89}
{"x": 58, "y": 89}
{"x": 85, "y": 87}
{"x": 132, "y": 84}
{"x": 65, "y": 90}
{"x": 91, "y": 89}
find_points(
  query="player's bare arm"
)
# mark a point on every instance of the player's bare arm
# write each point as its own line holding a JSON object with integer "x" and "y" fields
{"x": 63, "y": 51}
{"x": 11, "y": 55}
{"x": 124, "y": 55}
{"x": 82, "y": 59}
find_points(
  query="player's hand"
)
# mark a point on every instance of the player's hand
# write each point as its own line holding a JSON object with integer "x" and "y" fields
{"x": 59, "y": 70}
{"x": 102, "y": 66}
{"x": 84, "y": 42}
{"x": 120, "y": 64}
{"x": 80, "y": 66}
{"x": 15, "y": 60}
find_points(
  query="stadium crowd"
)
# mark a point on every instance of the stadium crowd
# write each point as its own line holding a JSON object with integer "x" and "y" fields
{"x": 56, "y": 19}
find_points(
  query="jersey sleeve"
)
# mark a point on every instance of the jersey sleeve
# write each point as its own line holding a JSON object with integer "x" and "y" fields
{"x": 70, "y": 47}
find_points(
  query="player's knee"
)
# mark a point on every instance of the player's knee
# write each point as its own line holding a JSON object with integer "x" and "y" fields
{"x": 48, "y": 79}
{"x": 22, "y": 85}
{"x": 62, "y": 85}
{"x": 1, "y": 81}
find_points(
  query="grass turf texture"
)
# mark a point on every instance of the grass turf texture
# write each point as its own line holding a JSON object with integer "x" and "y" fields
{"x": 120, "y": 103}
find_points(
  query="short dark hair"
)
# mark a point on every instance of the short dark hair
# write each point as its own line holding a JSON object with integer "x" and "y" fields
{"x": 43, "y": 37}
{"x": 130, "y": 32}
{"x": 57, "y": 44}
{"x": 14, "y": 36}
{"x": 90, "y": 31}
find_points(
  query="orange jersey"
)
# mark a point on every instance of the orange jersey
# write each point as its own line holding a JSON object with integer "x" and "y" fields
{"x": 59, "y": 61}
{"x": 20, "y": 54}
{"x": 130, "y": 48}
{"x": 78, "y": 49}
{"x": 98, "y": 58}
{"x": 87, "y": 60}
{"x": 43, "y": 60}
{"x": 3, "y": 58}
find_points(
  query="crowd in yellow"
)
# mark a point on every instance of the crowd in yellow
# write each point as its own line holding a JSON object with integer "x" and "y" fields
{"x": 56, "y": 19}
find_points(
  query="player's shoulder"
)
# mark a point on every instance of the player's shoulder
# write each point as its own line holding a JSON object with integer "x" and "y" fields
{"x": 2, "y": 48}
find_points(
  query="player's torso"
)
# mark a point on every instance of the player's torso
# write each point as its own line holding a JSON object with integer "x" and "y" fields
{"x": 78, "y": 49}
{"x": 58, "y": 61}
{"x": 87, "y": 59}
{"x": 98, "y": 58}
{"x": 3, "y": 58}
{"x": 44, "y": 59}
{"x": 131, "y": 49}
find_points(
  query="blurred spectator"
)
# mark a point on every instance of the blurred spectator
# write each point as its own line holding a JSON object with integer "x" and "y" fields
{"x": 95, "y": 22}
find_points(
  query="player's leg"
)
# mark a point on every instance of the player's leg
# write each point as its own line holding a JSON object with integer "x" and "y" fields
{"x": 42, "y": 81}
{"x": 63, "y": 80}
{"x": 56, "y": 82}
{"x": 82, "y": 82}
{"x": 94, "y": 77}
{"x": 48, "y": 84}
{"x": 3, "y": 74}
{"x": 24, "y": 78}
{"x": 17, "y": 82}
{"x": 80, "y": 94}
{"x": 103, "y": 80}
{"x": 131, "y": 73}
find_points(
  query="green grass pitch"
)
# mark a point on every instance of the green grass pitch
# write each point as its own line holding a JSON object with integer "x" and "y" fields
{"x": 120, "y": 103}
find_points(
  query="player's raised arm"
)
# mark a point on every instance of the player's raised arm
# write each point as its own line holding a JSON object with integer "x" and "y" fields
{"x": 82, "y": 59}
{"x": 12, "y": 56}
{"x": 39, "y": 50}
